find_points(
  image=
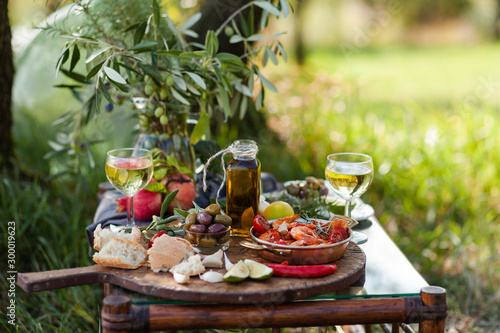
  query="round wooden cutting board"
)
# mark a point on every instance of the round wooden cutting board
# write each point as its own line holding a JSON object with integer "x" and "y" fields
{"x": 350, "y": 269}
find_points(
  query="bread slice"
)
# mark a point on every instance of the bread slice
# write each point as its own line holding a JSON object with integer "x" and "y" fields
{"x": 167, "y": 252}
{"x": 121, "y": 253}
{"x": 102, "y": 236}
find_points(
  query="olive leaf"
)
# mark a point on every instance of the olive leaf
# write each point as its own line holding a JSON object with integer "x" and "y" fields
{"x": 62, "y": 59}
{"x": 191, "y": 22}
{"x": 285, "y": 9}
{"x": 179, "y": 97}
{"x": 75, "y": 57}
{"x": 266, "y": 82}
{"x": 211, "y": 43}
{"x": 114, "y": 75}
{"x": 200, "y": 128}
{"x": 156, "y": 187}
{"x": 95, "y": 70}
{"x": 267, "y": 6}
{"x": 143, "y": 47}
{"x": 197, "y": 79}
{"x": 168, "y": 200}
{"x": 96, "y": 53}
{"x": 139, "y": 32}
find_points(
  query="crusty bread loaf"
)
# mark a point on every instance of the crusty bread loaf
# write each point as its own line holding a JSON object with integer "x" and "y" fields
{"x": 121, "y": 253}
{"x": 102, "y": 236}
{"x": 167, "y": 252}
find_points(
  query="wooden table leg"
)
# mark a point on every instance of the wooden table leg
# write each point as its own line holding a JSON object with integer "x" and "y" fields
{"x": 435, "y": 297}
{"x": 120, "y": 315}
{"x": 116, "y": 314}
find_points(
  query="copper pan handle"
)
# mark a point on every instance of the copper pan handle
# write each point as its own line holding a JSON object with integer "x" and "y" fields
{"x": 260, "y": 247}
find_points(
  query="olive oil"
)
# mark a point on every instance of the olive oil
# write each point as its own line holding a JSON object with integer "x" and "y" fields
{"x": 243, "y": 187}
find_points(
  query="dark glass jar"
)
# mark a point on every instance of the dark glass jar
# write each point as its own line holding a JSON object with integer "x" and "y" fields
{"x": 243, "y": 186}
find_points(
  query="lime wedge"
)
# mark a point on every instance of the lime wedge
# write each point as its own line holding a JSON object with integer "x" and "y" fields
{"x": 237, "y": 273}
{"x": 258, "y": 271}
{"x": 122, "y": 178}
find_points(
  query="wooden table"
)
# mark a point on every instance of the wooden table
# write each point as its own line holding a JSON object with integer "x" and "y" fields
{"x": 389, "y": 291}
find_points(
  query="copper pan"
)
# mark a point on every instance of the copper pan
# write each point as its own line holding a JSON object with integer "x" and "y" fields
{"x": 301, "y": 255}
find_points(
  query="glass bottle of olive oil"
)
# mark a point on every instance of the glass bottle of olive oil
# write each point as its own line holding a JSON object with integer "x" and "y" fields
{"x": 243, "y": 186}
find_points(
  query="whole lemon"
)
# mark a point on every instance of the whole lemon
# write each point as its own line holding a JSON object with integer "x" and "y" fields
{"x": 278, "y": 210}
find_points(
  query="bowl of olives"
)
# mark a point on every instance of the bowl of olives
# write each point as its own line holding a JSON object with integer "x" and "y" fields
{"x": 309, "y": 188}
{"x": 208, "y": 231}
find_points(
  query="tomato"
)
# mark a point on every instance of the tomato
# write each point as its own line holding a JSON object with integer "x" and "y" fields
{"x": 260, "y": 224}
{"x": 158, "y": 234}
{"x": 338, "y": 234}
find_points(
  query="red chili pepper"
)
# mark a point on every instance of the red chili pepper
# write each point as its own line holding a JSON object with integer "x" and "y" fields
{"x": 158, "y": 234}
{"x": 286, "y": 270}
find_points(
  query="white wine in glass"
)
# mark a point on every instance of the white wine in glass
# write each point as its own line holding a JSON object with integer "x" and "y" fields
{"x": 129, "y": 170}
{"x": 350, "y": 175}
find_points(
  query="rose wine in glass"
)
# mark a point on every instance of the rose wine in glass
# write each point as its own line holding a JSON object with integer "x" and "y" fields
{"x": 129, "y": 170}
{"x": 350, "y": 175}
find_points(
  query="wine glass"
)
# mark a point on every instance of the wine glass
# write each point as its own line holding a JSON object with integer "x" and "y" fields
{"x": 129, "y": 170}
{"x": 350, "y": 175}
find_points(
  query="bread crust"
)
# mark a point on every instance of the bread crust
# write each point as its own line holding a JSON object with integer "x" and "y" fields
{"x": 167, "y": 252}
{"x": 102, "y": 236}
{"x": 121, "y": 253}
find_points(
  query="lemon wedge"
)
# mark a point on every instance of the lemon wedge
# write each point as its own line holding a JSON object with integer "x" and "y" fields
{"x": 258, "y": 271}
{"x": 237, "y": 273}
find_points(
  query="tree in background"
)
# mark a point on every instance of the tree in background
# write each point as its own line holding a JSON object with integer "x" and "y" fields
{"x": 423, "y": 11}
{"x": 6, "y": 79}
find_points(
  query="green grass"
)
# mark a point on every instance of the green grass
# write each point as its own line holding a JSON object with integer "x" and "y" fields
{"x": 50, "y": 217}
{"x": 420, "y": 112}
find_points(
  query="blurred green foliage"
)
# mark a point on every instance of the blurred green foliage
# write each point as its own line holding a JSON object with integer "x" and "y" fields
{"x": 437, "y": 183}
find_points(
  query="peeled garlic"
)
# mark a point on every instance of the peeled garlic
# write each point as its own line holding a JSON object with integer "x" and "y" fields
{"x": 212, "y": 277}
{"x": 263, "y": 204}
{"x": 214, "y": 260}
{"x": 227, "y": 262}
{"x": 283, "y": 228}
{"x": 181, "y": 278}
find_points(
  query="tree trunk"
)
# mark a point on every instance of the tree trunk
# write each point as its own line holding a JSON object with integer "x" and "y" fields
{"x": 298, "y": 33}
{"x": 6, "y": 80}
{"x": 496, "y": 22}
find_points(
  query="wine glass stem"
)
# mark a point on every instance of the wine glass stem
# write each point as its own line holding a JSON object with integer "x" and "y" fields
{"x": 348, "y": 206}
{"x": 130, "y": 211}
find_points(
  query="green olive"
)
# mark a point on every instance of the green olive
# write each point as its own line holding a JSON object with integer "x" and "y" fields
{"x": 228, "y": 31}
{"x": 158, "y": 112}
{"x": 190, "y": 220}
{"x": 213, "y": 209}
{"x": 224, "y": 219}
{"x": 163, "y": 93}
{"x": 314, "y": 182}
{"x": 191, "y": 238}
{"x": 149, "y": 89}
{"x": 170, "y": 81}
{"x": 207, "y": 241}
{"x": 293, "y": 189}
{"x": 225, "y": 238}
{"x": 163, "y": 120}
